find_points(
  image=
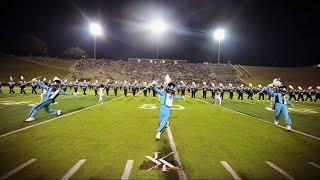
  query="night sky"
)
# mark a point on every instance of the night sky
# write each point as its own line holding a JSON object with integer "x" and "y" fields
{"x": 258, "y": 32}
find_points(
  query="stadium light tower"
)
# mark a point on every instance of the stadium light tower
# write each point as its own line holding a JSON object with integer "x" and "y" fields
{"x": 96, "y": 30}
{"x": 219, "y": 35}
{"x": 158, "y": 26}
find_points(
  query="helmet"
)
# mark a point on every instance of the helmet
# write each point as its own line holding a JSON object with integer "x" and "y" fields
{"x": 56, "y": 79}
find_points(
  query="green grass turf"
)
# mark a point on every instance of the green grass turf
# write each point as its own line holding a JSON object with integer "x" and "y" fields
{"x": 54, "y": 62}
{"x": 12, "y": 66}
{"x": 305, "y": 122}
{"x": 12, "y": 116}
{"x": 112, "y": 133}
{"x": 208, "y": 134}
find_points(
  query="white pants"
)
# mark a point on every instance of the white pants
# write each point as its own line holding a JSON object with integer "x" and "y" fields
{"x": 217, "y": 100}
{"x": 101, "y": 95}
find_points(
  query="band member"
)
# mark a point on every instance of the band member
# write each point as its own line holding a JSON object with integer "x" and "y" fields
{"x": 292, "y": 93}
{"x": 52, "y": 93}
{"x": 115, "y": 88}
{"x": 213, "y": 90}
{"x": 154, "y": 93}
{"x": 240, "y": 92}
{"x": 309, "y": 94}
{"x": 280, "y": 103}
{"x": 64, "y": 85}
{"x": 166, "y": 101}
{"x": 317, "y": 93}
{"x": 76, "y": 86}
{"x": 260, "y": 92}
{"x": 107, "y": 87}
{"x": 22, "y": 84}
{"x": 134, "y": 88}
{"x": 221, "y": 89}
{"x": 145, "y": 90}
{"x": 125, "y": 87}
{"x": 204, "y": 90}
{"x": 96, "y": 87}
{"x": 101, "y": 93}
{"x": 217, "y": 98}
{"x": 230, "y": 89}
{"x": 250, "y": 92}
{"x": 70, "y": 85}
{"x": 34, "y": 88}
{"x": 84, "y": 87}
{"x": 183, "y": 88}
{"x": 300, "y": 94}
{"x": 11, "y": 84}
{"x": 194, "y": 89}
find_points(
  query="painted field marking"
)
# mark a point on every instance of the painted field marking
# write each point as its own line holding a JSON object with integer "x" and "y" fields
{"x": 281, "y": 171}
{"x": 314, "y": 165}
{"x": 230, "y": 170}
{"x": 15, "y": 131}
{"x": 293, "y": 130}
{"x": 181, "y": 173}
{"x": 17, "y": 169}
{"x": 73, "y": 170}
{"x": 127, "y": 170}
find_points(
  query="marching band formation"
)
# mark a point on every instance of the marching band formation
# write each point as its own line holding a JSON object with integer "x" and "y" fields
{"x": 275, "y": 92}
{"x": 213, "y": 91}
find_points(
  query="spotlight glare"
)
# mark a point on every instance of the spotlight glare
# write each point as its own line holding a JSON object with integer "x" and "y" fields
{"x": 158, "y": 26}
{"x": 219, "y": 34}
{"x": 95, "y": 29}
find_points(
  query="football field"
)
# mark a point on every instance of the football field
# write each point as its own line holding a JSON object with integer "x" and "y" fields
{"x": 111, "y": 140}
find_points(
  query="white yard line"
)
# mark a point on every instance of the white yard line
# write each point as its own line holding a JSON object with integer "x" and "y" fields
{"x": 15, "y": 131}
{"x": 230, "y": 170}
{"x": 281, "y": 171}
{"x": 17, "y": 169}
{"x": 73, "y": 170}
{"x": 293, "y": 130}
{"x": 127, "y": 170}
{"x": 181, "y": 173}
{"x": 314, "y": 165}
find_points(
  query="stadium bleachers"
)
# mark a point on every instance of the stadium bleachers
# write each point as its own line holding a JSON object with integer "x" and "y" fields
{"x": 122, "y": 70}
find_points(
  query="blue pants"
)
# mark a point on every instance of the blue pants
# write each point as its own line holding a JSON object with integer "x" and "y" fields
{"x": 282, "y": 109}
{"x": 44, "y": 104}
{"x": 163, "y": 117}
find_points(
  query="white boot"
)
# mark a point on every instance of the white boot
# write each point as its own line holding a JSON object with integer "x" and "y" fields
{"x": 59, "y": 112}
{"x": 167, "y": 124}
{"x": 288, "y": 128}
{"x": 158, "y": 136}
{"x": 29, "y": 119}
{"x": 276, "y": 122}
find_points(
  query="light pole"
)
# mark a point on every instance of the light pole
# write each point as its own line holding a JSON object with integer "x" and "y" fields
{"x": 158, "y": 26}
{"x": 95, "y": 30}
{"x": 219, "y": 35}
